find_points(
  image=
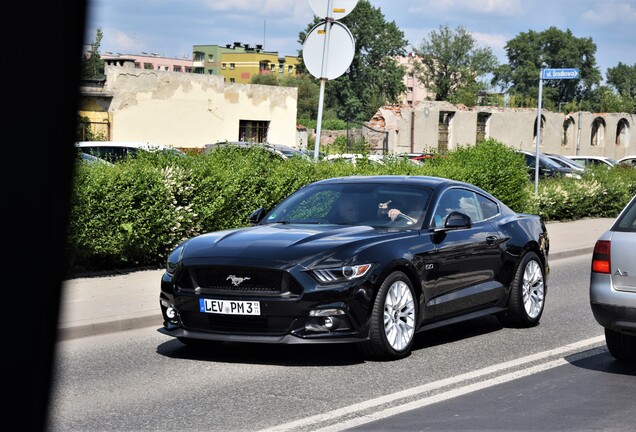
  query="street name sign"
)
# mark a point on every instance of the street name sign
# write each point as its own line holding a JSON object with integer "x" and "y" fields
{"x": 568, "y": 73}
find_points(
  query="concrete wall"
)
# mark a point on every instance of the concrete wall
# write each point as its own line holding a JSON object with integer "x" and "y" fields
{"x": 191, "y": 110}
{"x": 416, "y": 129}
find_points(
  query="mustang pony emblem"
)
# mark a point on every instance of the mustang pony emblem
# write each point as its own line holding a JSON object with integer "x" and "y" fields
{"x": 236, "y": 281}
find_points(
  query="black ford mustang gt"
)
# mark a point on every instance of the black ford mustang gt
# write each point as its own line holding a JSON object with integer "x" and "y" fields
{"x": 364, "y": 259}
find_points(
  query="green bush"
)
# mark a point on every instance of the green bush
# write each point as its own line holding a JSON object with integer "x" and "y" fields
{"x": 490, "y": 165}
{"x": 133, "y": 213}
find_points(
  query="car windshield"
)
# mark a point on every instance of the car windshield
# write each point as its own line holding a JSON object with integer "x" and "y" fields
{"x": 359, "y": 204}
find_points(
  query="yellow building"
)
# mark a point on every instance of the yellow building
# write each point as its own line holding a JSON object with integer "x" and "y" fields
{"x": 239, "y": 67}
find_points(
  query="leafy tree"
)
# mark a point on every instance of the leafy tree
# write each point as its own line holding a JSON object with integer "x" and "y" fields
{"x": 605, "y": 99}
{"x": 530, "y": 52}
{"x": 374, "y": 77}
{"x": 623, "y": 78}
{"x": 449, "y": 64}
{"x": 92, "y": 63}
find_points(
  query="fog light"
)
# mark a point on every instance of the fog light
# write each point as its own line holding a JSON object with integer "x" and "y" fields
{"x": 328, "y": 323}
{"x": 325, "y": 312}
{"x": 170, "y": 313}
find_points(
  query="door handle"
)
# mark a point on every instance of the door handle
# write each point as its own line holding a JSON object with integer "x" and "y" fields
{"x": 491, "y": 239}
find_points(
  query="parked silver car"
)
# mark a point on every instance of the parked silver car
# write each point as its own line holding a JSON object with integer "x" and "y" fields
{"x": 613, "y": 284}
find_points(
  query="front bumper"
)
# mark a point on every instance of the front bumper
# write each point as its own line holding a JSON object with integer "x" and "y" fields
{"x": 315, "y": 314}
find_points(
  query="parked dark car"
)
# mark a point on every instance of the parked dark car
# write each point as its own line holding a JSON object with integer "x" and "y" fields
{"x": 330, "y": 265}
{"x": 613, "y": 284}
{"x": 547, "y": 167}
{"x": 116, "y": 151}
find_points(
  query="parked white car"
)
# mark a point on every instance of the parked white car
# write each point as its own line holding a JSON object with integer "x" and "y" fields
{"x": 593, "y": 161}
{"x": 353, "y": 157}
{"x": 627, "y": 160}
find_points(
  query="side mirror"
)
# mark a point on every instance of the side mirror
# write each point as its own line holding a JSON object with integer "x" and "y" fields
{"x": 257, "y": 216}
{"x": 457, "y": 220}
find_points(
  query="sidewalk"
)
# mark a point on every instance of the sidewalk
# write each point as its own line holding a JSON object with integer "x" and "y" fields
{"x": 107, "y": 304}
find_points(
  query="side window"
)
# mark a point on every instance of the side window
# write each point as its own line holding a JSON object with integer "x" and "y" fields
{"x": 489, "y": 208}
{"x": 459, "y": 200}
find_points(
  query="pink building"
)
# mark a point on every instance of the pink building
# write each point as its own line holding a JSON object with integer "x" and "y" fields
{"x": 150, "y": 61}
{"x": 415, "y": 90}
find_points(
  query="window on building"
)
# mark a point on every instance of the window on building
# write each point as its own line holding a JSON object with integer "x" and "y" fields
{"x": 223, "y": 66}
{"x": 177, "y": 69}
{"x": 281, "y": 68}
{"x": 210, "y": 57}
{"x": 232, "y": 80}
{"x": 137, "y": 65}
{"x": 232, "y": 66}
{"x": 198, "y": 56}
{"x": 409, "y": 89}
{"x": 290, "y": 69}
{"x": 253, "y": 131}
{"x": 210, "y": 71}
{"x": 598, "y": 132}
{"x": 148, "y": 66}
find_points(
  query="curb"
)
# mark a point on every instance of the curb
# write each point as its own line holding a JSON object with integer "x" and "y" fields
{"x": 156, "y": 320}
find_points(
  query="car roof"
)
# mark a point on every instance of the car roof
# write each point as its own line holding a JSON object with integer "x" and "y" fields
{"x": 142, "y": 145}
{"x": 279, "y": 149}
{"x": 603, "y": 158}
{"x": 425, "y": 181}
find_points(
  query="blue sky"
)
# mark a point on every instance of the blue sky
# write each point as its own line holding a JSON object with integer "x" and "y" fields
{"x": 171, "y": 27}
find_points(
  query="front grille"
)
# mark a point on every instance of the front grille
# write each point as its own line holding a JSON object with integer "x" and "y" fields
{"x": 239, "y": 280}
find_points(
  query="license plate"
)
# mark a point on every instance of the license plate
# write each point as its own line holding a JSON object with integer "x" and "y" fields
{"x": 230, "y": 307}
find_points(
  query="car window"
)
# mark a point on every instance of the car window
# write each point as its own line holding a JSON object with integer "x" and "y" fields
{"x": 627, "y": 220}
{"x": 489, "y": 208}
{"x": 460, "y": 200}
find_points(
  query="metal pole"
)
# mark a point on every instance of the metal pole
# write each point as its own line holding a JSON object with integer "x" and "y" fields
{"x": 578, "y": 135}
{"x": 319, "y": 121}
{"x": 323, "y": 68}
{"x": 536, "y": 161}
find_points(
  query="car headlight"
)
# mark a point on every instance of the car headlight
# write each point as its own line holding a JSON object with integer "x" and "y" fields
{"x": 339, "y": 274}
{"x": 174, "y": 259}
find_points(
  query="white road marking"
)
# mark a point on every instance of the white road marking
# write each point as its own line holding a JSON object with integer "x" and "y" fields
{"x": 331, "y": 416}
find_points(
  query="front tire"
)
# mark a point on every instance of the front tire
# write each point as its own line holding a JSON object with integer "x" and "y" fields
{"x": 527, "y": 293}
{"x": 393, "y": 319}
{"x": 620, "y": 345}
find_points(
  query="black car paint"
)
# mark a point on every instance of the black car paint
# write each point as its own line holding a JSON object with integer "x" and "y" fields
{"x": 454, "y": 277}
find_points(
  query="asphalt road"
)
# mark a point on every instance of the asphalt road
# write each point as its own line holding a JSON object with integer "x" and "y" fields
{"x": 476, "y": 375}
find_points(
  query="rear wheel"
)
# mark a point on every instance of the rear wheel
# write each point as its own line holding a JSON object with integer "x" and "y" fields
{"x": 393, "y": 319}
{"x": 620, "y": 345}
{"x": 527, "y": 293}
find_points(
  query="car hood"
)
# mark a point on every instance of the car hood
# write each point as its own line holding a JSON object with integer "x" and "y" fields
{"x": 287, "y": 243}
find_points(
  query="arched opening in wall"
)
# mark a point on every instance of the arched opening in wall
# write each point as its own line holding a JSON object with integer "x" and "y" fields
{"x": 568, "y": 132}
{"x": 622, "y": 133}
{"x": 482, "y": 126}
{"x": 444, "y": 131}
{"x": 598, "y": 132}
{"x": 534, "y": 136}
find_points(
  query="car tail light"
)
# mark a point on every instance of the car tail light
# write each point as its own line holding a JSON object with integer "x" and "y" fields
{"x": 601, "y": 257}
